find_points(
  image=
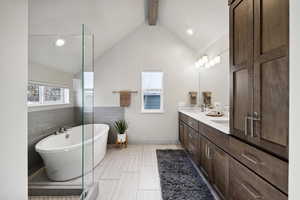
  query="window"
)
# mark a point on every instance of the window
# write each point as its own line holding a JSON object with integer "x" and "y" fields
{"x": 152, "y": 92}
{"x": 88, "y": 91}
{"x": 42, "y": 95}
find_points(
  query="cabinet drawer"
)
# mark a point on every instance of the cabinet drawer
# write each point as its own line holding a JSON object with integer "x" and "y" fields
{"x": 183, "y": 117}
{"x": 269, "y": 167}
{"x": 217, "y": 137}
{"x": 193, "y": 123}
{"x": 245, "y": 185}
{"x": 189, "y": 121}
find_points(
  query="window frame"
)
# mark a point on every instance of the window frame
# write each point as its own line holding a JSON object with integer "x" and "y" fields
{"x": 42, "y": 101}
{"x": 152, "y": 111}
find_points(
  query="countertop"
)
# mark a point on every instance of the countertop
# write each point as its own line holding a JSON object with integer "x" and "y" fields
{"x": 219, "y": 123}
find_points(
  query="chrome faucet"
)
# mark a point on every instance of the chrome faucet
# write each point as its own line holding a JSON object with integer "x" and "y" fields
{"x": 61, "y": 130}
{"x": 203, "y": 107}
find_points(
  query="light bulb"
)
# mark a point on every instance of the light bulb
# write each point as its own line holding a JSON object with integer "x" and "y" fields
{"x": 217, "y": 59}
{"x": 190, "y": 31}
{"x": 60, "y": 42}
{"x": 205, "y": 59}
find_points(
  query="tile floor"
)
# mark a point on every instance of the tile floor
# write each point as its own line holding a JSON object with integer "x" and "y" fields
{"x": 124, "y": 174}
{"x": 54, "y": 198}
{"x": 130, "y": 174}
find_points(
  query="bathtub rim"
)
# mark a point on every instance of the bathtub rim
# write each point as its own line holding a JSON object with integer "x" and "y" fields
{"x": 69, "y": 147}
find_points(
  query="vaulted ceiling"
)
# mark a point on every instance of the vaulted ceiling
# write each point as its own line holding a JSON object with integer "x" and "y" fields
{"x": 113, "y": 20}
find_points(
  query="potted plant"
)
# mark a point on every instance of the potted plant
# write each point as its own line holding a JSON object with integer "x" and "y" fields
{"x": 121, "y": 127}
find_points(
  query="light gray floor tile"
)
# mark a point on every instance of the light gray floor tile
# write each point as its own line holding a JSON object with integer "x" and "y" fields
{"x": 106, "y": 189}
{"x": 149, "y": 178}
{"x": 127, "y": 187}
{"x": 149, "y": 195}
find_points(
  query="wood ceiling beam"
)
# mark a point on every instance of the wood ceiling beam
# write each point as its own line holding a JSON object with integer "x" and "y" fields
{"x": 152, "y": 12}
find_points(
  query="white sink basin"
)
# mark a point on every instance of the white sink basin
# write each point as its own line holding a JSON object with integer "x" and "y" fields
{"x": 220, "y": 121}
{"x": 196, "y": 112}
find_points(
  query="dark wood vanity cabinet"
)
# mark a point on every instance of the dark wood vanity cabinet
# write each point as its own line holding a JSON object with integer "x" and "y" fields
{"x": 236, "y": 170}
{"x": 259, "y": 60}
{"x": 251, "y": 163}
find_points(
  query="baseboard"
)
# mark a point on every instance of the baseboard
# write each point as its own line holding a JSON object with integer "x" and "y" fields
{"x": 214, "y": 193}
{"x": 159, "y": 142}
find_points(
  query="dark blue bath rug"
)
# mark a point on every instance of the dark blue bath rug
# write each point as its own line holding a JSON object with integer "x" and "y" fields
{"x": 179, "y": 179}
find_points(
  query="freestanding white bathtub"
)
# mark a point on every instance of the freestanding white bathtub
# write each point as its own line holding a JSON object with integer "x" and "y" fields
{"x": 67, "y": 156}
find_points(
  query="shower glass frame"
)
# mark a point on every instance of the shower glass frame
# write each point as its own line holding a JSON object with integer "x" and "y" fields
{"x": 87, "y": 108}
{"x": 83, "y": 42}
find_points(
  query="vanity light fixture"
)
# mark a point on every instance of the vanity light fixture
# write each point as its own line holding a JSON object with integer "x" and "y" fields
{"x": 206, "y": 63}
{"x": 201, "y": 62}
{"x": 60, "y": 42}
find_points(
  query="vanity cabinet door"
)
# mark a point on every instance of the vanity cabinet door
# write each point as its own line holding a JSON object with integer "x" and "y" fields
{"x": 220, "y": 171}
{"x": 185, "y": 136}
{"x": 181, "y": 133}
{"x": 271, "y": 76}
{"x": 205, "y": 157}
{"x": 241, "y": 66}
{"x": 194, "y": 144}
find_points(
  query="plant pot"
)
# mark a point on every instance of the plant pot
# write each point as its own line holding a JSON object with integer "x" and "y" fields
{"x": 122, "y": 137}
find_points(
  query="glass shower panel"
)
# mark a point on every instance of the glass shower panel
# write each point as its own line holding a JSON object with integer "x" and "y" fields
{"x": 60, "y": 105}
{"x": 88, "y": 108}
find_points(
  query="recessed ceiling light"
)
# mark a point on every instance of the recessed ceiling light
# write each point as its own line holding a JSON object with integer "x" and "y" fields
{"x": 190, "y": 31}
{"x": 60, "y": 42}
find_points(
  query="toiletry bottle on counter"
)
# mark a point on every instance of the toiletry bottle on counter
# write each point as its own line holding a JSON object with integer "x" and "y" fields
{"x": 218, "y": 108}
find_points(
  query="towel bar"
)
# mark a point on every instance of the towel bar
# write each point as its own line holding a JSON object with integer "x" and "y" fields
{"x": 124, "y": 91}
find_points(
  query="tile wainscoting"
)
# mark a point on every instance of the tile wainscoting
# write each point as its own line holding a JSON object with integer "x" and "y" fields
{"x": 42, "y": 124}
{"x": 108, "y": 115}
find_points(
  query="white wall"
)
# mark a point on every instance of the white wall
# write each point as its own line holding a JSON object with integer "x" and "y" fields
{"x": 149, "y": 48}
{"x": 294, "y": 164}
{"x": 49, "y": 75}
{"x": 13, "y": 108}
{"x": 216, "y": 78}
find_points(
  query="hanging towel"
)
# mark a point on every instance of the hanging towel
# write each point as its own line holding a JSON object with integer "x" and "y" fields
{"x": 125, "y": 98}
{"x": 193, "y": 97}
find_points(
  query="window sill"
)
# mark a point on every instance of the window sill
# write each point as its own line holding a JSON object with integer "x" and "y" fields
{"x": 152, "y": 112}
{"x": 47, "y": 105}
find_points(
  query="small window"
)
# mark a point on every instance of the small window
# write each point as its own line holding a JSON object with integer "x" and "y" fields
{"x": 152, "y": 92}
{"x": 43, "y": 95}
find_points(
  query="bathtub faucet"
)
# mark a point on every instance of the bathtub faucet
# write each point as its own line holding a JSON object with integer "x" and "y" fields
{"x": 61, "y": 130}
